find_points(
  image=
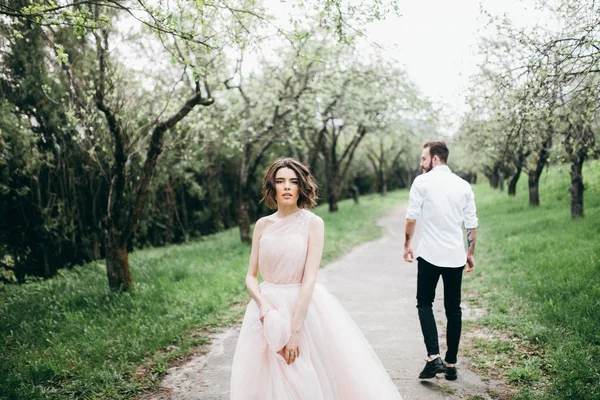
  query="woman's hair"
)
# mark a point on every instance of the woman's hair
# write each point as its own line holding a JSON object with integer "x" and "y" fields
{"x": 307, "y": 187}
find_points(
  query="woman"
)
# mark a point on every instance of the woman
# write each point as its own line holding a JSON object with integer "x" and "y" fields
{"x": 296, "y": 340}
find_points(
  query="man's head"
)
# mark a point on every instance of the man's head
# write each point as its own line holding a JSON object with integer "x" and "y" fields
{"x": 434, "y": 154}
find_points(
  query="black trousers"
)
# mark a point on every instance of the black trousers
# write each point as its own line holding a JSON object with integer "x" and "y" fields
{"x": 427, "y": 280}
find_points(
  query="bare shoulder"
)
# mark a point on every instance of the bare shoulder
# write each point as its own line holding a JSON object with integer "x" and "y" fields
{"x": 316, "y": 223}
{"x": 263, "y": 223}
{"x": 316, "y": 229}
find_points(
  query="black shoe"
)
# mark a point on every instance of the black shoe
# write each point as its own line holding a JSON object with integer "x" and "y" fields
{"x": 432, "y": 367}
{"x": 451, "y": 373}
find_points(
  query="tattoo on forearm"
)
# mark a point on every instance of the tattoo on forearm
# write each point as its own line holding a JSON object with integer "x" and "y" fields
{"x": 407, "y": 237}
{"x": 471, "y": 238}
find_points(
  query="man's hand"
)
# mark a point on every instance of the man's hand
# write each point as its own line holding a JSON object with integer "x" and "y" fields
{"x": 470, "y": 263}
{"x": 408, "y": 254}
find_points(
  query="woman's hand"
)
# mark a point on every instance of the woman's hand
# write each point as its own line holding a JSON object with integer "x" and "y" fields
{"x": 264, "y": 310}
{"x": 291, "y": 350}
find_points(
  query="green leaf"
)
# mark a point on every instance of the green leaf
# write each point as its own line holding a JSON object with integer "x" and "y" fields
{"x": 61, "y": 55}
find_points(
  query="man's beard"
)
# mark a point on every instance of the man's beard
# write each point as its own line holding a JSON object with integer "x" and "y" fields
{"x": 428, "y": 168}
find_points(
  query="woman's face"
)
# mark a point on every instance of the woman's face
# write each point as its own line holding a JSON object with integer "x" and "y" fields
{"x": 286, "y": 187}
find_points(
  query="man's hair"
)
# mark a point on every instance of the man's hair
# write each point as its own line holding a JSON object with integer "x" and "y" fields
{"x": 438, "y": 148}
{"x": 307, "y": 187}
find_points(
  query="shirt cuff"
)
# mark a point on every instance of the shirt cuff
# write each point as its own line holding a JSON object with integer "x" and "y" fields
{"x": 413, "y": 214}
{"x": 471, "y": 223}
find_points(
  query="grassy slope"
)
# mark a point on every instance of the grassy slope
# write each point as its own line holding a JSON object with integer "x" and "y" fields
{"x": 539, "y": 274}
{"x": 69, "y": 337}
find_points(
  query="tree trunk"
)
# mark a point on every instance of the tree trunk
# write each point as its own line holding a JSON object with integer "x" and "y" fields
{"x": 336, "y": 169}
{"x": 577, "y": 143}
{"x": 97, "y": 253}
{"x": 117, "y": 261}
{"x": 383, "y": 182}
{"x": 379, "y": 175}
{"x": 576, "y": 188}
{"x": 333, "y": 201}
{"x": 356, "y": 194}
{"x": 534, "y": 192}
{"x": 492, "y": 176}
{"x": 534, "y": 175}
{"x": 379, "y": 182}
{"x": 330, "y": 175}
{"x": 184, "y": 212}
{"x": 169, "y": 235}
{"x": 409, "y": 178}
{"x": 332, "y": 187}
{"x": 47, "y": 272}
{"x": 512, "y": 184}
{"x": 244, "y": 218}
{"x": 501, "y": 181}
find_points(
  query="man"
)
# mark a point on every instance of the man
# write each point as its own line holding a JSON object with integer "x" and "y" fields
{"x": 443, "y": 202}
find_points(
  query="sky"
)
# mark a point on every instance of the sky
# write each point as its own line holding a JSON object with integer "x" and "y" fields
{"x": 436, "y": 43}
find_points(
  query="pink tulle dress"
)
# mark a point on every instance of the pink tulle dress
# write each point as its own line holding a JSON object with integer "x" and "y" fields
{"x": 336, "y": 362}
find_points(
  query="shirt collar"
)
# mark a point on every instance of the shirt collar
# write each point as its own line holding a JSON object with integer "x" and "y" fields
{"x": 442, "y": 168}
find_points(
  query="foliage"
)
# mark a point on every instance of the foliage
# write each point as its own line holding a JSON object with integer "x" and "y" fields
{"x": 538, "y": 86}
{"x": 89, "y": 123}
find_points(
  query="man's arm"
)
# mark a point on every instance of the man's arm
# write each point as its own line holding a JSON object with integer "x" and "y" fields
{"x": 413, "y": 212}
{"x": 409, "y": 232}
{"x": 471, "y": 239}
{"x": 471, "y": 222}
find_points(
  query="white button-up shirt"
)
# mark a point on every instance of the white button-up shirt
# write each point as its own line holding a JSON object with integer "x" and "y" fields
{"x": 442, "y": 201}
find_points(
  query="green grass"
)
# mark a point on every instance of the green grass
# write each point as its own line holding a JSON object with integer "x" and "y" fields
{"x": 71, "y": 338}
{"x": 446, "y": 389}
{"x": 538, "y": 273}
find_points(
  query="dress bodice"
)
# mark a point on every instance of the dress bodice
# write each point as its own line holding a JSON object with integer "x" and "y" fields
{"x": 283, "y": 247}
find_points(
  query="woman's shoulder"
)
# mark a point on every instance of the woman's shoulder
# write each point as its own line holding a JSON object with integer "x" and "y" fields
{"x": 315, "y": 221}
{"x": 264, "y": 222}
{"x": 307, "y": 218}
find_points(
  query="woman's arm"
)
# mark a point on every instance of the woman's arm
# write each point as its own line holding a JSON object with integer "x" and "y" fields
{"x": 252, "y": 275}
{"x": 313, "y": 261}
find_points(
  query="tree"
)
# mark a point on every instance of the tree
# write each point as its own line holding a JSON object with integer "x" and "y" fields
{"x": 383, "y": 91}
{"x": 556, "y": 72}
{"x": 128, "y": 189}
{"x": 106, "y": 124}
{"x": 393, "y": 149}
{"x": 123, "y": 215}
{"x": 50, "y": 226}
{"x": 262, "y": 126}
{"x": 578, "y": 140}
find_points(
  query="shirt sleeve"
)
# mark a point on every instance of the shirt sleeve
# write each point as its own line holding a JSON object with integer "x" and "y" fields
{"x": 470, "y": 211}
{"x": 415, "y": 201}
